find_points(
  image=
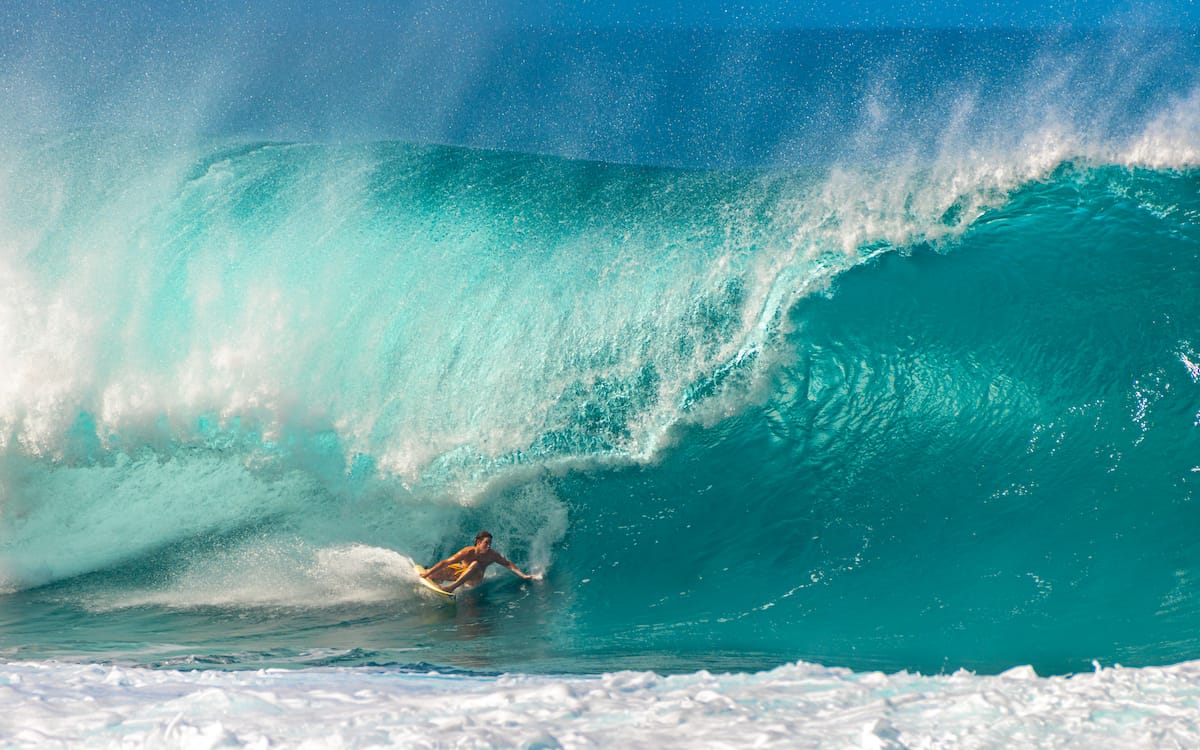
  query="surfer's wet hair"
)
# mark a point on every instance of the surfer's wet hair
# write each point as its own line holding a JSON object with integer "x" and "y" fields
{"x": 482, "y": 535}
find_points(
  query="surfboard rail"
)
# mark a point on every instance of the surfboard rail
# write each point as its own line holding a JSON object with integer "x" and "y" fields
{"x": 430, "y": 584}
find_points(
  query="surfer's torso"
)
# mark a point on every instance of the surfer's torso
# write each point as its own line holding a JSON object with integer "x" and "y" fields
{"x": 474, "y": 560}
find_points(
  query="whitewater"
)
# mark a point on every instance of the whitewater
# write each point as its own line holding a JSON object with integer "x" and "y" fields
{"x": 799, "y": 705}
{"x": 844, "y": 388}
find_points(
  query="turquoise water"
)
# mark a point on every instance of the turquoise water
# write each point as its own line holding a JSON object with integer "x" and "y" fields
{"x": 971, "y": 459}
{"x": 872, "y": 348}
{"x": 921, "y": 414}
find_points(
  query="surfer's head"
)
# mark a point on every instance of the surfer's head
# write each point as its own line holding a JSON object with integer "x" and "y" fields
{"x": 483, "y": 539}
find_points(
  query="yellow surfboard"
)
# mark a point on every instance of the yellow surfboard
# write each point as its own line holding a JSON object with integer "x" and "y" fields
{"x": 430, "y": 584}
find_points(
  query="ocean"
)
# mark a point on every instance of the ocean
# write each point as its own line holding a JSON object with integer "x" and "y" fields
{"x": 843, "y": 388}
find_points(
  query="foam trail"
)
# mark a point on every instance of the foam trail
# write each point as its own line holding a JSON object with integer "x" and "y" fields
{"x": 286, "y": 573}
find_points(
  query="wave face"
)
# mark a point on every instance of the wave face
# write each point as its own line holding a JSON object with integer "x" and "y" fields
{"x": 915, "y": 402}
{"x": 971, "y": 458}
{"x": 720, "y": 418}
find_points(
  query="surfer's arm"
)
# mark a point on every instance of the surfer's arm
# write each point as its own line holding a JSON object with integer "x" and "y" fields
{"x": 516, "y": 570}
{"x": 462, "y": 576}
{"x": 441, "y": 566}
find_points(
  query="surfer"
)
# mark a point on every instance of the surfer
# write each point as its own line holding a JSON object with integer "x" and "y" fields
{"x": 465, "y": 567}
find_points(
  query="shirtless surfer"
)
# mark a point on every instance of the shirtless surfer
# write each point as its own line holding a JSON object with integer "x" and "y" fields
{"x": 465, "y": 567}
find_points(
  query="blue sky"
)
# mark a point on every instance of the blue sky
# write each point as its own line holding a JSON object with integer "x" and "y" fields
{"x": 767, "y": 14}
{"x": 771, "y": 13}
{"x": 616, "y": 85}
{"x": 866, "y": 13}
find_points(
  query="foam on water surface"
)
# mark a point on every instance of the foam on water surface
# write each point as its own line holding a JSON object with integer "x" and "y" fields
{"x": 50, "y": 704}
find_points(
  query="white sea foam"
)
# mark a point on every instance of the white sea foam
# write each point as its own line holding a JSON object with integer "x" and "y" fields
{"x": 66, "y": 705}
{"x": 285, "y": 574}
